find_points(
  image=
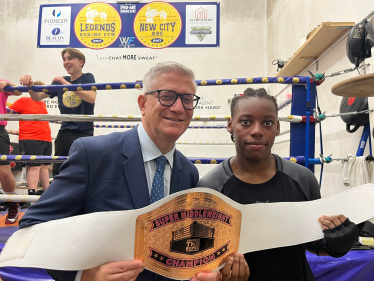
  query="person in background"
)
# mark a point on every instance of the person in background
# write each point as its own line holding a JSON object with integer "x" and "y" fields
{"x": 34, "y": 139}
{"x": 7, "y": 180}
{"x": 69, "y": 102}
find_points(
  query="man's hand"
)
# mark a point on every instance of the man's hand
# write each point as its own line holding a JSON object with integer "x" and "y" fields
{"x": 26, "y": 80}
{"x": 60, "y": 80}
{"x": 236, "y": 269}
{"x": 340, "y": 235}
{"x": 114, "y": 271}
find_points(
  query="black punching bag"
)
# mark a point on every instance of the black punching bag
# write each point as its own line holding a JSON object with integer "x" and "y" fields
{"x": 352, "y": 104}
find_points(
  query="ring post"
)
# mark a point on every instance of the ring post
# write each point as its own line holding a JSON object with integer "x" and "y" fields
{"x": 302, "y": 136}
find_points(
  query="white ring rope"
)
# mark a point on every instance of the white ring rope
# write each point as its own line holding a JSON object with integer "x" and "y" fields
{"x": 19, "y": 198}
{"x": 119, "y": 118}
{"x": 24, "y": 183}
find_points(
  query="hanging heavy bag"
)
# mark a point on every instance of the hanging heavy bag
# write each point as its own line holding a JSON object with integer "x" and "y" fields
{"x": 352, "y": 104}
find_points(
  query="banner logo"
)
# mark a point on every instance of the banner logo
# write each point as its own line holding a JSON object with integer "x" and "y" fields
{"x": 56, "y": 13}
{"x": 56, "y": 31}
{"x": 128, "y": 8}
{"x": 157, "y": 25}
{"x": 201, "y": 13}
{"x": 97, "y": 25}
{"x": 127, "y": 41}
{"x": 201, "y": 31}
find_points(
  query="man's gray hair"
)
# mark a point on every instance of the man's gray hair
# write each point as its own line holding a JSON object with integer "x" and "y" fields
{"x": 166, "y": 67}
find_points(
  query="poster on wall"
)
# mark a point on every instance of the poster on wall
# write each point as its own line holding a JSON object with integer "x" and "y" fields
{"x": 56, "y": 26}
{"x": 201, "y": 24}
{"x": 153, "y": 25}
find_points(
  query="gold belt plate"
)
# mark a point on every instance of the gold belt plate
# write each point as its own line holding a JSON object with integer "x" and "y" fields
{"x": 191, "y": 233}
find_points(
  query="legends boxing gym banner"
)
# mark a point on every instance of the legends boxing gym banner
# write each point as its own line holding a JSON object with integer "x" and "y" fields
{"x": 154, "y": 25}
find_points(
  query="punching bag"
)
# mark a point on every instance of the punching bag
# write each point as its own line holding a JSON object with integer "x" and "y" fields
{"x": 352, "y": 104}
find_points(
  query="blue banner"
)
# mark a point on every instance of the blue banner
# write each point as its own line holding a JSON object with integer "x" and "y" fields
{"x": 153, "y": 25}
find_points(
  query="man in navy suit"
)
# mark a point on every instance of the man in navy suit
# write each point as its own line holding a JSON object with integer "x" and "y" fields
{"x": 116, "y": 171}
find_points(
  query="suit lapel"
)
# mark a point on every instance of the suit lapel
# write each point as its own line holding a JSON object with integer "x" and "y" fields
{"x": 134, "y": 170}
{"x": 176, "y": 183}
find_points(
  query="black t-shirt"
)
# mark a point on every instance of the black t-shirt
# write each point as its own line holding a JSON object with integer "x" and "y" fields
{"x": 70, "y": 103}
{"x": 291, "y": 183}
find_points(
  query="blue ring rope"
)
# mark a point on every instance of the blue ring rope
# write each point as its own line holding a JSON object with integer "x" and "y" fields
{"x": 194, "y": 160}
{"x": 138, "y": 85}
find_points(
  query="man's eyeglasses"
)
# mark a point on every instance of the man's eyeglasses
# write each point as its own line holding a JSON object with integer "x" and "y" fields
{"x": 169, "y": 97}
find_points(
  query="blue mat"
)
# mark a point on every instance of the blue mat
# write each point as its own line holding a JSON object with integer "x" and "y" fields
{"x": 22, "y": 274}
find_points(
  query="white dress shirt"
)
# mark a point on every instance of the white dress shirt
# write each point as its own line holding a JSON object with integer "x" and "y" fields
{"x": 150, "y": 152}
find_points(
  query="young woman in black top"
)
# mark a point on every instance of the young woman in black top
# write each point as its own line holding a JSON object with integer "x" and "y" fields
{"x": 255, "y": 175}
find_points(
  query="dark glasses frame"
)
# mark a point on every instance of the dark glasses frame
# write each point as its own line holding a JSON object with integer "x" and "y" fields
{"x": 196, "y": 98}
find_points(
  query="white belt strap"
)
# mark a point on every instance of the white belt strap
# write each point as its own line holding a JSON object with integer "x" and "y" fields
{"x": 86, "y": 241}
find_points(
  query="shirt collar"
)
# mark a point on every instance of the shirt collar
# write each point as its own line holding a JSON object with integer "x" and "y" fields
{"x": 150, "y": 150}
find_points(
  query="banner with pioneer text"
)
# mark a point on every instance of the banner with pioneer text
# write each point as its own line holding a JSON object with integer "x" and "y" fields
{"x": 153, "y": 25}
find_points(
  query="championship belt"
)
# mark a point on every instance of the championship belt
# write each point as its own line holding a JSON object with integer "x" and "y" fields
{"x": 185, "y": 233}
{"x": 193, "y": 232}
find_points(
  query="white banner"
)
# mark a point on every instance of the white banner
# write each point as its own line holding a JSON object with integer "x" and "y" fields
{"x": 55, "y": 26}
{"x": 201, "y": 24}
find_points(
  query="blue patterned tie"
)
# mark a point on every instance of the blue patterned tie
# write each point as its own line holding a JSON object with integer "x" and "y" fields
{"x": 157, "y": 192}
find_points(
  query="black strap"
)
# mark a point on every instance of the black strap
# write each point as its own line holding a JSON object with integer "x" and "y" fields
{"x": 320, "y": 141}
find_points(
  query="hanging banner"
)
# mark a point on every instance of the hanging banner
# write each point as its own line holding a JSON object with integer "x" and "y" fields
{"x": 153, "y": 25}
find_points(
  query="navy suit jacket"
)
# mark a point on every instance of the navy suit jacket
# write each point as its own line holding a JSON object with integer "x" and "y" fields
{"x": 104, "y": 173}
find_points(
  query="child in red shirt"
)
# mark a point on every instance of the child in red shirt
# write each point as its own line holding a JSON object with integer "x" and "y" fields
{"x": 34, "y": 139}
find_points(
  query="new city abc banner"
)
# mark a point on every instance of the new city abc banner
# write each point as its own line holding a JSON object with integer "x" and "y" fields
{"x": 157, "y": 25}
{"x": 189, "y": 234}
{"x": 97, "y": 25}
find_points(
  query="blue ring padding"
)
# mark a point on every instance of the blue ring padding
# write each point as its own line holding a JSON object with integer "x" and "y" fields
{"x": 299, "y": 160}
{"x": 38, "y": 159}
{"x": 284, "y": 104}
{"x": 206, "y": 160}
{"x": 27, "y": 158}
{"x": 132, "y": 126}
{"x": 131, "y": 85}
{"x": 72, "y": 87}
{"x": 10, "y": 111}
{"x": 257, "y": 80}
{"x": 298, "y": 136}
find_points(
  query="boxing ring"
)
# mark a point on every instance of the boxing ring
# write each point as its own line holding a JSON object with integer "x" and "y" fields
{"x": 356, "y": 265}
{"x": 303, "y": 88}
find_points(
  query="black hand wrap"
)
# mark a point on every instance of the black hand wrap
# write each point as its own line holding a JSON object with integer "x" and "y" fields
{"x": 339, "y": 240}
